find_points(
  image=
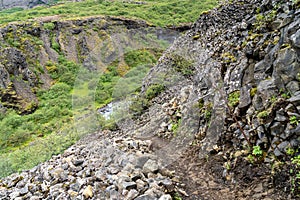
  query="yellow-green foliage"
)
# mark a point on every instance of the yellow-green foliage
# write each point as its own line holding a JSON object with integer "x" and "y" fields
{"x": 263, "y": 114}
{"x": 253, "y": 91}
{"x": 49, "y": 26}
{"x": 228, "y": 57}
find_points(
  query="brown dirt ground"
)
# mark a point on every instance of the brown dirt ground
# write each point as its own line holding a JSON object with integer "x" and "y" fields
{"x": 204, "y": 180}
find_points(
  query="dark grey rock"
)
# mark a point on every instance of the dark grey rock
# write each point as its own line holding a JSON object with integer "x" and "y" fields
{"x": 78, "y": 162}
{"x": 277, "y": 129}
{"x": 140, "y": 161}
{"x": 295, "y": 38}
{"x": 293, "y": 87}
{"x": 295, "y": 100}
{"x": 280, "y": 116}
{"x": 266, "y": 90}
{"x": 245, "y": 98}
{"x": 283, "y": 146}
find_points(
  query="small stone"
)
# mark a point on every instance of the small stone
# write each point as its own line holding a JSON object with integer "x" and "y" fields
{"x": 257, "y": 196}
{"x": 141, "y": 185}
{"x": 24, "y": 190}
{"x": 44, "y": 187}
{"x": 128, "y": 185}
{"x": 14, "y": 195}
{"x": 259, "y": 188}
{"x": 72, "y": 193}
{"x": 88, "y": 192}
{"x": 114, "y": 195}
{"x": 165, "y": 197}
{"x": 34, "y": 198}
{"x": 150, "y": 166}
{"x": 78, "y": 162}
{"x": 145, "y": 197}
{"x": 132, "y": 194}
{"x": 75, "y": 187}
{"x": 113, "y": 170}
{"x": 100, "y": 175}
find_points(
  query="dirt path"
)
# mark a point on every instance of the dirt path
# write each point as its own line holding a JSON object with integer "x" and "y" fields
{"x": 209, "y": 180}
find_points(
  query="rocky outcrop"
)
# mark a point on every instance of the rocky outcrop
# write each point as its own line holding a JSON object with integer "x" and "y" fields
{"x": 245, "y": 65}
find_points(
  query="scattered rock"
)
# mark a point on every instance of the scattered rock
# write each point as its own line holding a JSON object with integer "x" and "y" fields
{"x": 88, "y": 192}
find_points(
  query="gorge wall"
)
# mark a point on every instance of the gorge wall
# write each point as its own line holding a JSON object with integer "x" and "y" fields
{"x": 33, "y": 49}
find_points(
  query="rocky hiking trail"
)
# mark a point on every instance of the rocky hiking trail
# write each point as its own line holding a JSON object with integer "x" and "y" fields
{"x": 109, "y": 165}
{"x": 232, "y": 83}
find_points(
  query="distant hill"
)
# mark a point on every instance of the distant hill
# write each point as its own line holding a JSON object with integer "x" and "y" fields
{"x": 6, "y": 4}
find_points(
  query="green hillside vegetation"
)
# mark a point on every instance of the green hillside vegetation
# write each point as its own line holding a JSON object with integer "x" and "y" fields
{"x": 27, "y": 140}
{"x": 157, "y": 12}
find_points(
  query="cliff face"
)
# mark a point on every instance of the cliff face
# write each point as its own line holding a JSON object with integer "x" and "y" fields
{"x": 30, "y": 50}
{"x": 243, "y": 65}
{"x": 232, "y": 81}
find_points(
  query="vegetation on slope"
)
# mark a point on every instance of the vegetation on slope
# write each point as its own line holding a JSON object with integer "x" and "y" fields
{"x": 158, "y": 12}
{"x": 27, "y": 140}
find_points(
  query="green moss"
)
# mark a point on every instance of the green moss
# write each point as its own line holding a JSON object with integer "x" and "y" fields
{"x": 234, "y": 98}
{"x": 253, "y": 91}
{"x": 263, "y": 114}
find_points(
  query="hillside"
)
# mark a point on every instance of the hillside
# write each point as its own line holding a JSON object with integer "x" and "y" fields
{"x": 215, "y": 115}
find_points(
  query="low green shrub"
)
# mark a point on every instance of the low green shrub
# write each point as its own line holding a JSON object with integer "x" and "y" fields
{"x": 154, "y": 90}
